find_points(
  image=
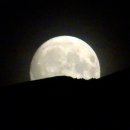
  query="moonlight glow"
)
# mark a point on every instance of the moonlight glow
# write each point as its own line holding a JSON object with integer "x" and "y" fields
{"x": 65, "y": 56}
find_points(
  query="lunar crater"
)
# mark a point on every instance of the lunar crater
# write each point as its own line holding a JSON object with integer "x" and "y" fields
{"x": 92, "y": 58}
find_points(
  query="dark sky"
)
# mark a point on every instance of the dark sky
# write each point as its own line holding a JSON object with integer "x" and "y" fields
{"x": 24, "y": 26}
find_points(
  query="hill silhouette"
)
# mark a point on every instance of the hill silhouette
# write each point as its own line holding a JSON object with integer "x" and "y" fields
{"x": 67, "y": 86}
{"x": 67, "y": 102}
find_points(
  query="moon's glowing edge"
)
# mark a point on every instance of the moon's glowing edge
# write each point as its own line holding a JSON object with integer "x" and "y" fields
{"x": 68, "y": 75}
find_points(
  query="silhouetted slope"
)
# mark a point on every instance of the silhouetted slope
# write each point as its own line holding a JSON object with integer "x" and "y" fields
{"x": 63, "y": 85}
{"x": 66, "y": 102}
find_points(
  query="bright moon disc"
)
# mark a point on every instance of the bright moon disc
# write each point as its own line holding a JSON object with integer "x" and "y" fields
{"x": 65, "y": 56}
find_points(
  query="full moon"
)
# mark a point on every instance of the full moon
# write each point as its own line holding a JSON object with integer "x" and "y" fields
{"x": 65, "y": 56}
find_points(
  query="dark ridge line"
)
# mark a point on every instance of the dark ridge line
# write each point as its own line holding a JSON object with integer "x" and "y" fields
{"x": 120, "y": 75}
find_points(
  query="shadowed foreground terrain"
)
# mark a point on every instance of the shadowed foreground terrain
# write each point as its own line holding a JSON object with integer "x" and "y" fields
{"x": 63, "y": 102}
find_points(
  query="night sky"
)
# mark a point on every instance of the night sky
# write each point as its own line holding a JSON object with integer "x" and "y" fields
{"x": 24, "y": 26}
